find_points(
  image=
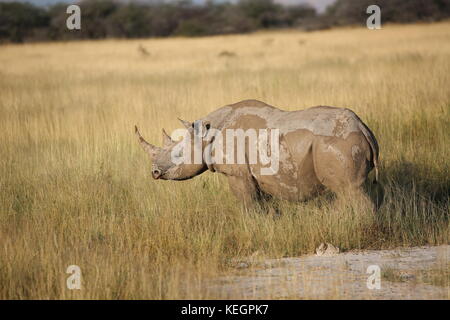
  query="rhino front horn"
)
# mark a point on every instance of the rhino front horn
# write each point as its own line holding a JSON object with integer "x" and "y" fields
{"x": 148, "y": 147}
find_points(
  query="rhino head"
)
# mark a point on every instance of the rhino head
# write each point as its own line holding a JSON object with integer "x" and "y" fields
{"x": 178, "y": 160}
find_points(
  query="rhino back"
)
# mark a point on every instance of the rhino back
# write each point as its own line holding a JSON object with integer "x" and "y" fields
{"x": 254, "y": 114}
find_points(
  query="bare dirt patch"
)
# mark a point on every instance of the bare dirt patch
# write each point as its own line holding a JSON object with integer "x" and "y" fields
{"x": 342, "y": 276}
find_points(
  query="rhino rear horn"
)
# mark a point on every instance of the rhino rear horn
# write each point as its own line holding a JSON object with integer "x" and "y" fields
{"x": 166, "y": 140}
{"x": 186, "y": 124}
{"x": 148, "y": 147}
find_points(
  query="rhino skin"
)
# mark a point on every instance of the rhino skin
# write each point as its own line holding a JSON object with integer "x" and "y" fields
{"x": 320, "y": 148}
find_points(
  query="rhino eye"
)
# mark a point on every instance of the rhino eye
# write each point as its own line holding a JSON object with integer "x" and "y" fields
{"x": 179, "y": 154}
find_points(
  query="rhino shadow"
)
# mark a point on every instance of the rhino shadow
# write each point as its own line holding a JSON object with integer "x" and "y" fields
{"x": 424, "y": 180}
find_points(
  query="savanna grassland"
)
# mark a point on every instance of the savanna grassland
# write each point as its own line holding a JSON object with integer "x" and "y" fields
{"x": 75, "y": 187}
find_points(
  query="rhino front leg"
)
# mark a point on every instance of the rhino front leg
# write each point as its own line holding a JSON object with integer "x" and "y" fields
{"x": 245, "y": 189}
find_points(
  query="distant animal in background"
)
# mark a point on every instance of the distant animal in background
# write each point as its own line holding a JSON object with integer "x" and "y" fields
{"x": 142, "y": 50}
{"x": 227, "y": 54}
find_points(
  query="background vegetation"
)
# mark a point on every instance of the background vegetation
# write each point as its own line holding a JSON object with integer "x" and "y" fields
{"x": 76, "y": 187}
{"x": 112, "y": 19}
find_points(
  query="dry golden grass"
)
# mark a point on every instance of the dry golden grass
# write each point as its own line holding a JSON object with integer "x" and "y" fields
{"x": 76, "y": 187}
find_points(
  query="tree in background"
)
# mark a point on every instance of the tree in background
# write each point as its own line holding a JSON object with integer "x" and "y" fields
{"x": 121, "y": 19}
{"x": 21, "y": 20}
{"x": 130, "y": 21}
{"x": 344, "y": 12}
{"x": 264, "y": 13}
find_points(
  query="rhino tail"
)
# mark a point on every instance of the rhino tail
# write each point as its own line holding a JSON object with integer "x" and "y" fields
{"x": 370, "y": 137}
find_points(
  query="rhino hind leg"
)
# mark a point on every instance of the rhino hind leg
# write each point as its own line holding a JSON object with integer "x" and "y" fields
{"x": 376, "y": 193}
{"x": 343, "y": 171}
{"x": 357, "y": 198}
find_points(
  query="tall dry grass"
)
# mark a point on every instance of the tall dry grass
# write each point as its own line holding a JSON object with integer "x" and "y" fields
{"x": 76, "y": 187}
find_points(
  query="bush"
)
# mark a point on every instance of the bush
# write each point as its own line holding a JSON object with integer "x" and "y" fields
{"x": 129, "y": 21}
{"x": 344, "y": 12}
{"x": 109, "y": 18}
{"x": 21, "y": 20}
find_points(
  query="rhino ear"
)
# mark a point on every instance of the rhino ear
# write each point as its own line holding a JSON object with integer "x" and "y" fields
{"x": 186, "y": 124}
{"x": 166, "y": 140}
{"x": 149, "y": 148}
{"x": 201, "y": 128}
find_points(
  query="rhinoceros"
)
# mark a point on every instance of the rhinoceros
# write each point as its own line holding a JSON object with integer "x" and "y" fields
{"x": 318, "y": 148}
